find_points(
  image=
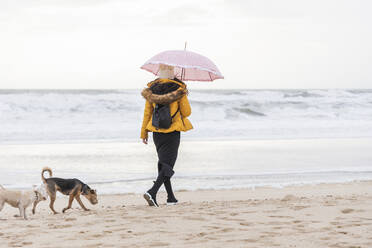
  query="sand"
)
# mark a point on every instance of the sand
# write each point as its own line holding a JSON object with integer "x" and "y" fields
{"x": 323, "y": 215}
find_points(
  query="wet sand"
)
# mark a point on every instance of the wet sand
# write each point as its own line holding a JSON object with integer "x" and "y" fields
{"x": 323, "y": 215}
{"x": 114, "y": 168}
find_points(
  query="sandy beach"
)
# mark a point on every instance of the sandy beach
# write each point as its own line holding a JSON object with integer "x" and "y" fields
{"x": 323, "y": 215}
{"x": 257, "y": 115}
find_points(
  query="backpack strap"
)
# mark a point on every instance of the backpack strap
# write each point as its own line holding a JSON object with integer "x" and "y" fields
{"x": 178, "y": 109}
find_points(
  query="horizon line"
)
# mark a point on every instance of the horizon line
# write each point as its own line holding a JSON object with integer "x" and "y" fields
{"x": 118, "y": 89}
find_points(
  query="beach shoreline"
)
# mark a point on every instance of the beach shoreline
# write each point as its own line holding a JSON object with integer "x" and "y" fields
{"x": 131, "y": 167}
{"x": 322, "y": 215}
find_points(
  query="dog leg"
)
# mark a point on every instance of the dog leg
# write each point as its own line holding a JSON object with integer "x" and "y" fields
{"x": 81, "y": 203}
{"x": 51, "y": 204}
{"x": 22, "y": 212}
{"x": 70, "y": 200}
{"x": 34, "y": 208}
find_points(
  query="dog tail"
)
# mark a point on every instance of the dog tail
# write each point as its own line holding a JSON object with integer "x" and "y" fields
{"x": 49, "y": 170}
{"x": 1, "y": 187}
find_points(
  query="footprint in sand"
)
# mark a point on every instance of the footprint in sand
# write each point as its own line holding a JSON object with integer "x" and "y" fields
{"x": 212, "y": 238}
{"x": 249, "y": 240}
{"x": 234, "y": 214}
{"x": 97, "y": 235}
{"x": 245, "y": 224}
{"x": 213, "y": 227}
{"x": 31, "y": 226}
{"x": 289, "y": 198}
{"x": 60, "y": 226}
{"x": 281, "y": 216}
{"x": 232, "y": 219}
{"x": 330, "y": 203}
{"x": 347, "y": 210}
{"x": 277, "y": 227}
{"x": 70, "y": 219}
{"x": 296, "y": 208}
{"x": 202, "y": 234}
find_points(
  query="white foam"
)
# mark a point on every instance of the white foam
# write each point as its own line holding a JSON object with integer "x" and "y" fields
{"x": 68, "y": 116}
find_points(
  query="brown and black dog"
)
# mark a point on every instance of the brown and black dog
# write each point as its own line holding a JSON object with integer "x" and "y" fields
{"x": 71, "y": 187}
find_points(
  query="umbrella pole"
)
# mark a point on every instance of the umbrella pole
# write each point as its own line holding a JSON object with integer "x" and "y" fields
{"x": 182, "y": 72}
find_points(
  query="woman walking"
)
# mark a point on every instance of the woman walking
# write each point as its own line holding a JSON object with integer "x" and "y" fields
{"x": 166, "y": 99}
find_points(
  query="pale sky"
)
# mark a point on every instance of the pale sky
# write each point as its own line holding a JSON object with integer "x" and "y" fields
{"x": 100, "y": 44}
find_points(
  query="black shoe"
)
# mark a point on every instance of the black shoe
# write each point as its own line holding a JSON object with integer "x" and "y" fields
{"x": 171, "y": 202}
{"x": 150, "y": 200}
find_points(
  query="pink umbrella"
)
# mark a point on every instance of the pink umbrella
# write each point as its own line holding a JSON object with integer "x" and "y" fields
{"x": 189, "y": 66}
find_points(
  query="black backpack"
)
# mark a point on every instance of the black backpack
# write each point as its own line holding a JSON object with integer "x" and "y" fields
{"x": 161, "y": 117}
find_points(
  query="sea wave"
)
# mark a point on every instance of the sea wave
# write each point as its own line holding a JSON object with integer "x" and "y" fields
{"x": 58, "y": 115}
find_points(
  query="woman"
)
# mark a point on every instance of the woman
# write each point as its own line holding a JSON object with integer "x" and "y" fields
{"x": 166, "y": 90}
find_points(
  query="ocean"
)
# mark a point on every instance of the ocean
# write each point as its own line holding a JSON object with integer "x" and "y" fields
{"x": 69, "y": 116}
{"x": 241, "y": 138}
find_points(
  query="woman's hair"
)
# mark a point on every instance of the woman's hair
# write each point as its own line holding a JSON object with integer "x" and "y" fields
{"x": 166, "y": 71}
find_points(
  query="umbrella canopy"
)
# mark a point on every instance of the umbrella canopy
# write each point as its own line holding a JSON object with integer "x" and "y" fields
{"x": 188, "y": 66}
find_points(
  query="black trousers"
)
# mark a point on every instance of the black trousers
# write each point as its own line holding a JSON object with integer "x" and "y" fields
{"x": 167, "y": 145}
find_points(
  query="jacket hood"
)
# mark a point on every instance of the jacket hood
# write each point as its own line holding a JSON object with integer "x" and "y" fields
{"x": 164, "y": 91}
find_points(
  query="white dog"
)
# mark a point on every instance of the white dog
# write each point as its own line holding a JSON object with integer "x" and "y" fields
{"x": 22, "y": 199}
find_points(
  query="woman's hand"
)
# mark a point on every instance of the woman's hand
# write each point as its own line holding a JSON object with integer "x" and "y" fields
{"x": 145, "y": 141}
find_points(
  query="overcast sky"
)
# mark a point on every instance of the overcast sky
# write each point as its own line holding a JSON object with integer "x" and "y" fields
{"x": 255, "y": 44}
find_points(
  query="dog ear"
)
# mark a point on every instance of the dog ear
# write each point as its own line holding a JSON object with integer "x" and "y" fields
{"x": 37, "y": 193}
{"x": 84, "y": 189}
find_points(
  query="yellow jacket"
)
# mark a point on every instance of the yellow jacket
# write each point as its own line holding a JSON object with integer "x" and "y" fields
{"x": 166, "y": 91}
